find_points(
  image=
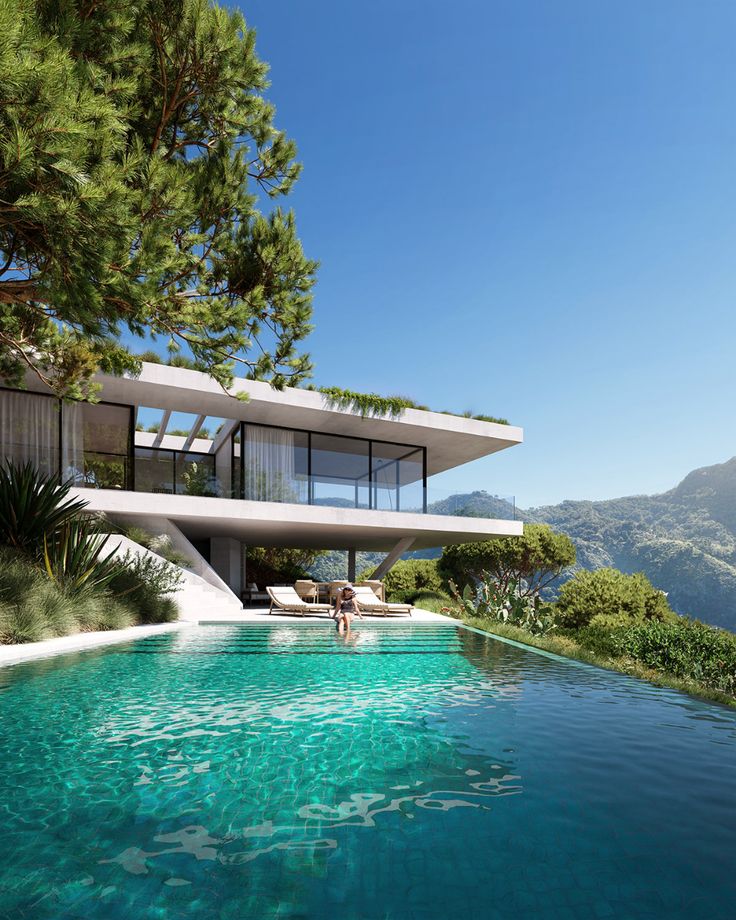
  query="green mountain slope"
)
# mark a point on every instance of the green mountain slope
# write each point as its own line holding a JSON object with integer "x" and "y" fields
{"x": 684, "y": 540}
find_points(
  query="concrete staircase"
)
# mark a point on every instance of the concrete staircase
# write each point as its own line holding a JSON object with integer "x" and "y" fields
{"x": 195, "y": 597}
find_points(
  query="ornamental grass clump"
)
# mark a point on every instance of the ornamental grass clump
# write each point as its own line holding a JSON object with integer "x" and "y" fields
{"x": 57, "y": 575}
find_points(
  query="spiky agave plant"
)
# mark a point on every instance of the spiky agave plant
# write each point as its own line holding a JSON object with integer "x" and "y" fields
{"x": 74, "y": 557}
{"x": 33, "y": 505}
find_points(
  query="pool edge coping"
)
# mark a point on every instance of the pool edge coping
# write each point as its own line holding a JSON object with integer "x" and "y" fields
{"x": 79, "y": 642}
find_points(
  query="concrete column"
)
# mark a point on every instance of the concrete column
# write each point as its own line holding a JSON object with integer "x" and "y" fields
{"x": 351, "y": 564}
{"x": 225, "y": 560}
{"x": 393, "y": 557}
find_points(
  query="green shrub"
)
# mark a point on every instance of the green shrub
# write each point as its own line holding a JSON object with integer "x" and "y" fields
{"x": 608, "y": 592}
{"x": 35, "y": 608}
{"x": 426, "y": 594}
{"x": 274, "y": 565}
{"x": 685, "y": 648}
{"x": 98, "y": 611}
{"x": 146, "y": 586}
{"x": 409, "y": 576}
{"x": 160, "y": 544}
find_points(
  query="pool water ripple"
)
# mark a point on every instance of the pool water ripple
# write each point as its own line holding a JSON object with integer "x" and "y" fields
{"x": 412, "y": 772}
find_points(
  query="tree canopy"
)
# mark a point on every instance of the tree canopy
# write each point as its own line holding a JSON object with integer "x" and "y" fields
{"x": 532, "y": 561}
{"x": 136, "y": 148}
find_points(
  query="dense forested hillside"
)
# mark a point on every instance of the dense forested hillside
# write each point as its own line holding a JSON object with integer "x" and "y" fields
{"x": 684, "y": 540}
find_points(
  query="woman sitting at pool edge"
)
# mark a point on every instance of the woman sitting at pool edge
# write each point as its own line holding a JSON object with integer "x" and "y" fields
{"x": 346, "y": 607}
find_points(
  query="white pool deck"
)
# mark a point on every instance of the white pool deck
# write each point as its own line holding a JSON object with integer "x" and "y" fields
{"x": 262, "y": 616}
{"x": 31, "y": 651}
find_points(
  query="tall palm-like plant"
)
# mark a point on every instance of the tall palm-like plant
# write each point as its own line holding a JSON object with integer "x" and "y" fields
{"x": 32, "y": 506}
{"x": 74, "y": 556}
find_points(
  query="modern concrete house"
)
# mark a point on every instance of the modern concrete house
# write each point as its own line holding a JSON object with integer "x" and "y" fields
{"x": 282, "y": 468}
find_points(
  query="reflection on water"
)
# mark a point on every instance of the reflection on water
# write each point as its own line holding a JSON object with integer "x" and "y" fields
{"x": 416, "y": 771}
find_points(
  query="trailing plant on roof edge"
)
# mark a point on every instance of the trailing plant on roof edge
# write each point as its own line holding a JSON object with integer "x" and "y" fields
{"x": 371, "y": 404}
{"x": 366, "y": 403}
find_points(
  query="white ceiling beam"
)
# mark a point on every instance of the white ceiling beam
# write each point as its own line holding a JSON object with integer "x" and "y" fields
{"x": 162, "y": 428}
{"x": 194, "y": 431}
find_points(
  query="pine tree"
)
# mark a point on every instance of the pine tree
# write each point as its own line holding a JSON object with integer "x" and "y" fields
{"x": 136, "y": 151}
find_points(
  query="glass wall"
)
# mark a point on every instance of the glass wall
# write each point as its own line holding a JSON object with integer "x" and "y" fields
{"x": 340, "y": 471}
{"x": 92, "y": 446}
{"x": 30, "y": 429}
{"x": 398, "y": 477}
{"x": 275, "y": 464}
{"x": 103, "y": 451}
{"x": 236, "y": 486}
{"x": 89, "y": 445}
{"x": 173, "y": 472}
{"x": 301, "y": 467}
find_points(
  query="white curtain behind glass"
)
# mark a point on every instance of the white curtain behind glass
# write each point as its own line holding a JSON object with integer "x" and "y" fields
{"x": 72, "y": 442}
{"x": 269, "y": 466}
{"x": 29, "y": 430}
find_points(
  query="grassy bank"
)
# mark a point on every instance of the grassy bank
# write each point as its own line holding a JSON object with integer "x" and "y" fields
{"x": 568, "y": 647}
{"x": 33, "y": 607}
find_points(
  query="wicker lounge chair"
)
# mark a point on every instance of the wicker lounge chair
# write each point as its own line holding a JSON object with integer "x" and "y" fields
{"x": 286, "y": 600}
{"x": 369, "y": 603}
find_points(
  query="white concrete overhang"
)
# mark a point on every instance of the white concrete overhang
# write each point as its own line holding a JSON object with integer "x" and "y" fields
{"x": 450, "y": 440}
{"x": 277, "y": 524}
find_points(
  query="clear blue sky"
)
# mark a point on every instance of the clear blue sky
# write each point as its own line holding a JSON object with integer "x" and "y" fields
{"x": 524, "y": 208}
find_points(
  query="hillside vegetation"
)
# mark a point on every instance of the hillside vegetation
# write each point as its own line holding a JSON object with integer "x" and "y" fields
{"x": 683, "y": 540}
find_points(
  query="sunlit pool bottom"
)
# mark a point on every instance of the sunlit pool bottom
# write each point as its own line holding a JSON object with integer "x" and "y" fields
{"x": 414, "y": 772}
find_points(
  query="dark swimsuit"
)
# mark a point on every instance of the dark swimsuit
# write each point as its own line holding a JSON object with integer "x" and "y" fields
{"x": 346, "y": 606}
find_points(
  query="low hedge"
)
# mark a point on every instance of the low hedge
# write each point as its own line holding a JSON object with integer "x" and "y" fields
{"x": 687, "y": 648}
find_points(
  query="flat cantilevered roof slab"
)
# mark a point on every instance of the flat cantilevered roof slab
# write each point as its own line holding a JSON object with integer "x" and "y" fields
{"x": 450, "y": 440}
{"x": 315, "y": 526}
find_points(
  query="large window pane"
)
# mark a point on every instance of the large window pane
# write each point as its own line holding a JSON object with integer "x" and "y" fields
{"x": 275, "y": 465}
{"x": 105, "y": 440}
{"x": 154, "y": 470}
{"x": 195, "y": 474}
{"x": 398, "y": 473}
{"x": 29, "y": 430}
{"x": 340, "y": 471}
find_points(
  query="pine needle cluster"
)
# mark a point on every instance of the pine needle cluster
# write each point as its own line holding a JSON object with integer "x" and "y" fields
{"x": 137, "y": 149}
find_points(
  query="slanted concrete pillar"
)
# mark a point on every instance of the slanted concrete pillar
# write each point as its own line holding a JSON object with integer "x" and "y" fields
{"x": 351, "y": 564}
{"x": 393, "y": 557}
{"x": 225, "y": 560}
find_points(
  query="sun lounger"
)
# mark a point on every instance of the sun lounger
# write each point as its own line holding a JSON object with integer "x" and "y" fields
{"x": 369, "y": 603}
{"x": 286, "y": 600}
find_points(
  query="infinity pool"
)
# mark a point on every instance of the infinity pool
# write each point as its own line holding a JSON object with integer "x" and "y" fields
{"x": 412, "y": 772}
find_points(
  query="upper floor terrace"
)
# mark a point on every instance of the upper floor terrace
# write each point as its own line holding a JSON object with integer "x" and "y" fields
{"x": 292, "y": 446}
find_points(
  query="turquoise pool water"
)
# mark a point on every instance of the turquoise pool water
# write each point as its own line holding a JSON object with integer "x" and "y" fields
{"x": 416, "y": 772}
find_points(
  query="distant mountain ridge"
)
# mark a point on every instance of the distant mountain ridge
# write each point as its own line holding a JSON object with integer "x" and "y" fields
{"x": 684, "y": 540}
